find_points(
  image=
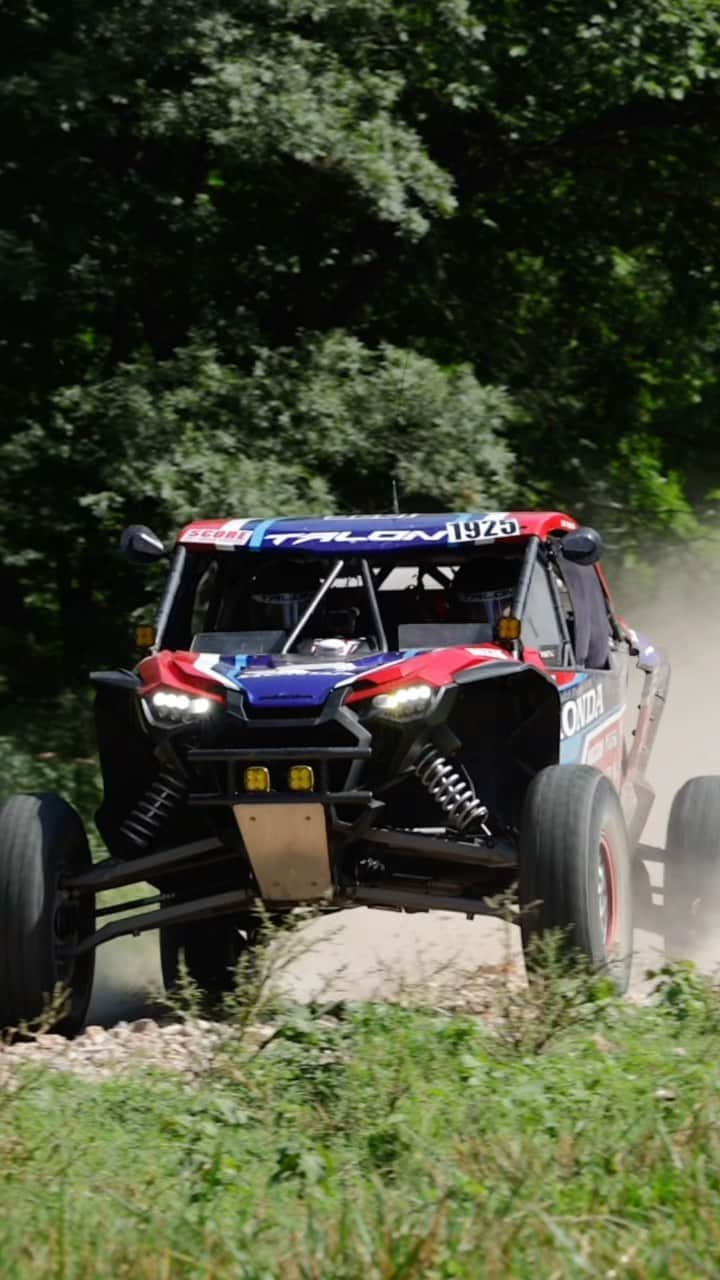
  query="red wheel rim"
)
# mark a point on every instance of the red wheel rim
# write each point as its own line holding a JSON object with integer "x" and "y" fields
{"x": 607, "y": 893}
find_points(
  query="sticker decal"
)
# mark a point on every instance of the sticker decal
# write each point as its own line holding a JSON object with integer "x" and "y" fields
{"x": 483, "y": 529}
{"x": 498, "y": 655}
{"x": 603, "y": 749}
{"x": 317, "y": 669}
{"x": 347, "y": 536}
{"x": 230, "y": 534}
{"x": 577, "y": 713}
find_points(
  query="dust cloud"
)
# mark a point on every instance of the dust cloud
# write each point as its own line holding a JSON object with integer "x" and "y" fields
{"x": 366, "y": 954}
{"x": 681, "y": 615}
{"x": 127, "y": 981}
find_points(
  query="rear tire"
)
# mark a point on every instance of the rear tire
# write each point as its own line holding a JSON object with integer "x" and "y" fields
{"x": 644, "y": 913}
{"x": 42, "y": 837}
{"x": 575, "y": 862}
{"x": 210, "y": 948}
{"x": 691, "y": 897}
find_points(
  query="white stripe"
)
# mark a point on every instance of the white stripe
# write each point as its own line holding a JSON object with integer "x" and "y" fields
{"x": 204, "y": 664}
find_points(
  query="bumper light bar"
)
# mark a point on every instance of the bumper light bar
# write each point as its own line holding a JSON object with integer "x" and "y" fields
{"x": 301, "y": 778}
{"x": 257, "y": 778}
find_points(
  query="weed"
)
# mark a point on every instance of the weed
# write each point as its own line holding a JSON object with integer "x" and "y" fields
{"x": 377, "y": 1141}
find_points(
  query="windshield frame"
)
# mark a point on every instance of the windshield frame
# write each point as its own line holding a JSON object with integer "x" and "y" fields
{"x": 189, "y": 564}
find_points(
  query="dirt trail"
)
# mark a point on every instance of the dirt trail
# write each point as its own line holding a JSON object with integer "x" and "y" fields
{"x": 360, "y": 954}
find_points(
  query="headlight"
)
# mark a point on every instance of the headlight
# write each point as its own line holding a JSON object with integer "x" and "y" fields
{"x": 403, "y": 704}
{"x": 177, "y": 708}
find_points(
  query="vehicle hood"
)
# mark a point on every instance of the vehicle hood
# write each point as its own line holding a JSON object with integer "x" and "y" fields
{"x": 274, "y": 681}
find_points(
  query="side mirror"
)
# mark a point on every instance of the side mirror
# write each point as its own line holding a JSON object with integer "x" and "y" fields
{"x": 140, "y": 545}
{"x": 582, "y": 546}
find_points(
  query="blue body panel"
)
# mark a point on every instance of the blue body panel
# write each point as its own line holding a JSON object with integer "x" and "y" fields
{"x": 363, "y": 535}
{"x": 591, "y": 705}
{"x": 269, "y": 681}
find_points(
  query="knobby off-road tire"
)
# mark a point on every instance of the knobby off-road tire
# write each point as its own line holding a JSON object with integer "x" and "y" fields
{"x": 40, "y": 838}
{"x": 575, "y": 862}
{"x": 210, "y": 948}
{"x": 691, "y": 897}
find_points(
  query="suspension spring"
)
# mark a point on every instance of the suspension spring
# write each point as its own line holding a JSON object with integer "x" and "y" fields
{"x": 453, "y": 791}
{"x": 156, "y": 806}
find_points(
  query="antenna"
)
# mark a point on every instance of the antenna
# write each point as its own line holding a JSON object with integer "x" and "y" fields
{"x": 400, "y": 399}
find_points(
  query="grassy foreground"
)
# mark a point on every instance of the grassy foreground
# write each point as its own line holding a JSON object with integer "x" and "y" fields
{"x": 580, "y": 1138}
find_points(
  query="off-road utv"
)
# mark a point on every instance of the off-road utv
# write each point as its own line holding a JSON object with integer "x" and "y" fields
{"x": 405, "y": 712}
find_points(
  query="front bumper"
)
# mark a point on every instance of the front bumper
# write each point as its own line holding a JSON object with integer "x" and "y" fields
{"x": 348, "y": 831}
{"x": 291, "y": 838}
{"x": 229, "y": 791}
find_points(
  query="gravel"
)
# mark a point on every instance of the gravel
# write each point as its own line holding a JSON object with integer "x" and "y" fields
{"x": 100, "y": 1053}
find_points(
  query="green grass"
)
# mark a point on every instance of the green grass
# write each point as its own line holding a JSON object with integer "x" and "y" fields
{"x": 579, "y": 1137}
{"x": 51, "y": 747}
{"x": 378, "y": 1141}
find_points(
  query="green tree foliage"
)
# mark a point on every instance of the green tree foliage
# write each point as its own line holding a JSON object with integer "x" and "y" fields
{"x": 261, "y": 257}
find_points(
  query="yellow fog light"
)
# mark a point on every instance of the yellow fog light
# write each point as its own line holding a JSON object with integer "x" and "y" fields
{"x": 257, "y": 778}
{"x": 301, "y": 778}
{"x": 144, "y": 637}
{"x": 508, "y": 628}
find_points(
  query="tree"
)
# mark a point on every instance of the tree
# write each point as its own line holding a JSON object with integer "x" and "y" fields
{"x": 271, "y": 254}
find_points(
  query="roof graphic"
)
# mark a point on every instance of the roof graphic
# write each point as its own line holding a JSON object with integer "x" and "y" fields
{"x": 372, "y": 534}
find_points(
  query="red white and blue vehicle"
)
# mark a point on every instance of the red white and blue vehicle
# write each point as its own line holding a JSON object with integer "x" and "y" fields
{"x": 411, "y": 712}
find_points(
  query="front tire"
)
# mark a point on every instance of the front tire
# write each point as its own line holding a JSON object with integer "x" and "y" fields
{"x": 210, "y": 949}
{"x": 691, "y": 896}
{"x": 575, "y": 863}
{"x": 41, "y": 838}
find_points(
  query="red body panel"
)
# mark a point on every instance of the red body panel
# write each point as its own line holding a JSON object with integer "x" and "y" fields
{"x": 166, "y": 670}
{"x": 437, "y": 667}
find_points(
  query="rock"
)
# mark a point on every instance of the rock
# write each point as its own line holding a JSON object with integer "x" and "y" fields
{"x": 48, "y": 1042}
{"x": 143, "y": 1025}
{"x": 184, "y": 1048}
{"x": 93, "y": 1033}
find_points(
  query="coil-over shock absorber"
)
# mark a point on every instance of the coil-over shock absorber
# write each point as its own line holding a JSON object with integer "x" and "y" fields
{"x": 452, "y": 790}
{"x": 156, "y": 806}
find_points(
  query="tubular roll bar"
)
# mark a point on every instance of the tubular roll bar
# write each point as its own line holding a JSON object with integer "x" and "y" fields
{"x": 523, "y": 585}
{"x": 325, "y": 587}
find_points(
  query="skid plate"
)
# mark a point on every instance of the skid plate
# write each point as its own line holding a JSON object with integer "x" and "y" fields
{"x": 287, "y": 845}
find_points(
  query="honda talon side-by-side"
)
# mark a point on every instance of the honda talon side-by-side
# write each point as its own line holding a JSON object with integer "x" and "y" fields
{"x": 410, "y": 712}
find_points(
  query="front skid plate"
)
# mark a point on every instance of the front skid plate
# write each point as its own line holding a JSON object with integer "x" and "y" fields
{"x": 288, "y": 850}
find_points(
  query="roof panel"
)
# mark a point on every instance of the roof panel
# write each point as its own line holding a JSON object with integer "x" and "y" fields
{"x": 374, "y": 533}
